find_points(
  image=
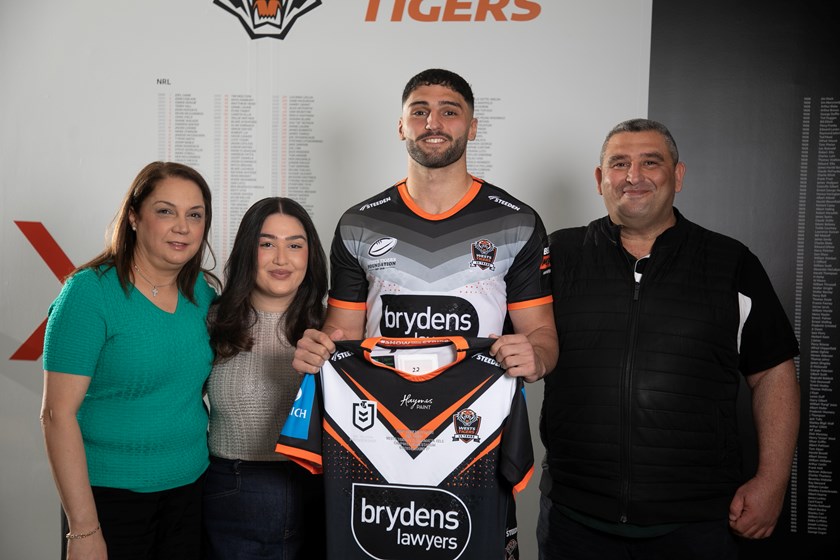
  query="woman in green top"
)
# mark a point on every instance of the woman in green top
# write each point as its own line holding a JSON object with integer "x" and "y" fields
{"x": 126, "y": 355}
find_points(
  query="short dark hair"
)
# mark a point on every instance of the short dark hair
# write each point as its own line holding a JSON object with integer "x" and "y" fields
{"x": 440, "y": 77}
{"x": 643, "y": 125}
{"x": 235, "y": 315}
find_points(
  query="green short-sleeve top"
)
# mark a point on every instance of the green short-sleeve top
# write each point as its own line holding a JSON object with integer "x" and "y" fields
{"x": 143, "y": 419}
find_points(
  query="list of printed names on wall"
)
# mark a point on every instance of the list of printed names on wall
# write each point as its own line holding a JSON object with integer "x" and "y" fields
{"x": 247, "y": 147}
{"x": 480, "y": 151}
{"x": 817, "y": 302}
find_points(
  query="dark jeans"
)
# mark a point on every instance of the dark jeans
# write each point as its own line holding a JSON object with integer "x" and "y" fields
{"x": 162, "y": 525}
{"x": 256, "y": 510}
{"x": 561, "y": 538}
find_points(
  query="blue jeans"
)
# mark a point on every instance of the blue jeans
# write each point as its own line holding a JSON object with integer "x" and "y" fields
{"x": 562, "y": 538}
{"x": 254, "y": 510}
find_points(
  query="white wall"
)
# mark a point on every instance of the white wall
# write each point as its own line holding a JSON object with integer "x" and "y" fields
{"x": 81, "y": 111}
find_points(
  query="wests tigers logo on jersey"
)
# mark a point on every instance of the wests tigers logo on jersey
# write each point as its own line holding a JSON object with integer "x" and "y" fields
{"x": 484, "y": 254}
{"x": 466, "y": 423}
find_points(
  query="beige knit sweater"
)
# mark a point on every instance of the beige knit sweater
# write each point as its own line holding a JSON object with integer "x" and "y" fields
{"x": 250, "y": 395}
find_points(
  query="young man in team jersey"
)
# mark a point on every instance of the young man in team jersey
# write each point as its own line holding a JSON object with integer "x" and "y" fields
{"x": 441, "y": 252}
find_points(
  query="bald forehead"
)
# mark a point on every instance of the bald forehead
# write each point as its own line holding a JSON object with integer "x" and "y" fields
{"x": 628, "y": 145}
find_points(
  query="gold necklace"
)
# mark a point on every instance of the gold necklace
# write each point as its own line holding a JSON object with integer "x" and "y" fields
{"x": 152, "y": 284}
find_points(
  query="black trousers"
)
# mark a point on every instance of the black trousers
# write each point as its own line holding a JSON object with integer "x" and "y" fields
{"x": 562, "y": 538}
{"x": 163, "y": 525}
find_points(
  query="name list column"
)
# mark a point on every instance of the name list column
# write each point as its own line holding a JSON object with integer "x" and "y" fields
{"x": 480, "y": 151}
{"x": 236, "y": 164}
{"x": 293, "y": 133}
{"x": 822, "y": 400}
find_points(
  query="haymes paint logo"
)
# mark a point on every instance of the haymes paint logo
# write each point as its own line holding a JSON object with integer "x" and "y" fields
{"x": 268, "y": 18}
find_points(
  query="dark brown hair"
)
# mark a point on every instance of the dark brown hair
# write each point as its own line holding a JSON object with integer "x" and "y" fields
{"x": 119, "y": 253}
{"x": 440, "y": 77}
{"x": 234, "y": 313}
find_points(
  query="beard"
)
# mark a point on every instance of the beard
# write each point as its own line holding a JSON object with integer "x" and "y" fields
{"x": 436, "y": 160}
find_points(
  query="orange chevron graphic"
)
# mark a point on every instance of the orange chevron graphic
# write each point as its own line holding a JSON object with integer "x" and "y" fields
{"x": 335, "y": 435}
{"x": 493, "y": 445}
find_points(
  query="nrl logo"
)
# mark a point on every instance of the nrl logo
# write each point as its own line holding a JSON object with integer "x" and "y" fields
{"x": 268, "y": 18}
{"x": 364, "y": 414}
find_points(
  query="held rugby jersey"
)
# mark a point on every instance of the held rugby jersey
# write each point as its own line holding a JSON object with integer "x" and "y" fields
{"x": 456, "y": 273}
{"x": 422, "y": 442}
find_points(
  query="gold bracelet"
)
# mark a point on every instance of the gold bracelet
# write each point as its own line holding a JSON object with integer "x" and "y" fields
{"x": 74, "y": 536}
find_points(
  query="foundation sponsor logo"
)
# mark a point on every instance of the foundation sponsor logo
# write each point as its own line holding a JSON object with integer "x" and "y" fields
{"x": 380, "y": 264}
{"x": 409, "y": 522}
{"x": 427, "y": 316}
{"x": 484, "y": 254}
{"x": 381, "y": 246}
{"x": 466, "y": 423}
{"x": 364, "y": 414}
{"x": 452, "y": 10}
{"x": 268, "y": 18}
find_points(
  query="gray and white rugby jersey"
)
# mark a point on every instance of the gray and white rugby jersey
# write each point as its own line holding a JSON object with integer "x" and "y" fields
{"x": 456, "y": 273}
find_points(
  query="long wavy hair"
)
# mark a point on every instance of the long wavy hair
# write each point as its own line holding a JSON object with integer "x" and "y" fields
{"x": 119, "y": 252}
{"x": 235, "y": 314}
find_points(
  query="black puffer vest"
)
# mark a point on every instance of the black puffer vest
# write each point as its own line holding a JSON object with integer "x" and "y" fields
{"x": 639, "y": 415}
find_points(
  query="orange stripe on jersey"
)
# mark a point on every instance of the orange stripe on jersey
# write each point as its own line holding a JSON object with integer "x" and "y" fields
{"x": 519, "y": 487}
{"x": 466, "y": 199}
{"x": 493, "y": 445}
{"x": 546, "y": 262}
{"x": 530, "y": 303}
{"x": 351, "y": 305}
{"x": 413, "y": 438}
{"x": 307, "y": 460}
{"x": 460, "y": 343}
{"x": 330, "y": 430}
{"x": 524, "y": 482}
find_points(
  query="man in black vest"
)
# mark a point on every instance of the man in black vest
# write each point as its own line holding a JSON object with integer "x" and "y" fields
{"x": 658, "y": 319}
